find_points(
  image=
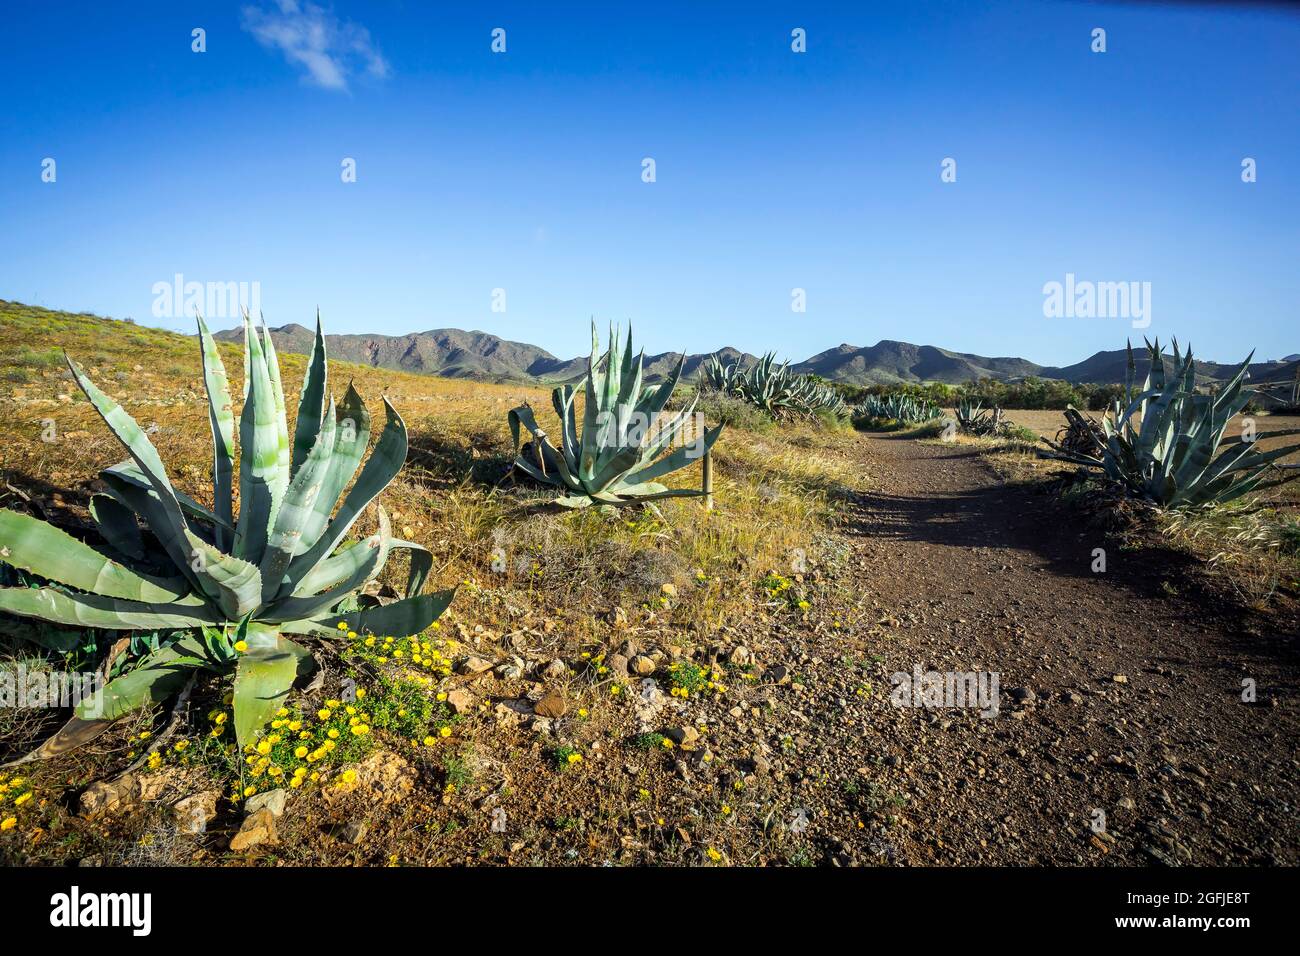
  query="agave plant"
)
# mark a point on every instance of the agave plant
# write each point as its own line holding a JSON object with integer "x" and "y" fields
{"x": 1081, "y": 434}
{"x": 973, "y": 419}
{"x": 772, "y": 387}
{"x": 616, "y": 457}
{"x": 896, "y": 406}
{"x": 717, "y": 377}
{"x": 1165, "y": 441}
{"x": 228, "y": 589}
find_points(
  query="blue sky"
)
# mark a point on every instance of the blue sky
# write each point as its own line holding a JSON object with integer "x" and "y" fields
{"x": 775, "y": 170}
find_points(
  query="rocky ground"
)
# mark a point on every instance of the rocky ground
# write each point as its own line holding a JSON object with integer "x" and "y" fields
{"x": 1125, "y": 732}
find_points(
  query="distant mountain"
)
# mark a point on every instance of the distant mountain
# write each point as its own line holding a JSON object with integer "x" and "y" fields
{"x": 455, "y": 353}
{"x": 888, "y": 363}
{"x": 1106, "y": 367}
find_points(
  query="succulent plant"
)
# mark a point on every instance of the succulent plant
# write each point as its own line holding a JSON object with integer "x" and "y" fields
{"x": 1081, "y": 434}
{"x": 772, "y": 387}
{"x": 896, "y": 406}
{"x": 616, "y": 457}
{"x": 1165, "y": 441}
{"x": 976, "y": 420}
{"x": 228, "y": 588}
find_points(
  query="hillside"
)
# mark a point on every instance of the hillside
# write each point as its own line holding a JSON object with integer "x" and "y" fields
{"x": 888, "y": 362}
{"x": 1105, "y": 367}
{"x": 456, "y": 353}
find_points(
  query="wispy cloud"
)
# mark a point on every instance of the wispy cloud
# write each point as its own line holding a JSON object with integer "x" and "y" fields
{"x": 327, "y": 49}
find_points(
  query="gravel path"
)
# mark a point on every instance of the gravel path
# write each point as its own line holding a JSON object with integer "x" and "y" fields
{"x": 1122, "y": 735}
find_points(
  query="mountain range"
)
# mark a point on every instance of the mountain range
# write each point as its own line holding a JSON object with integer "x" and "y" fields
{"x": 455, "y": 353}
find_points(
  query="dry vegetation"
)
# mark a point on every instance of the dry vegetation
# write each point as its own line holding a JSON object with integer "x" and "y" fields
{"x": 573, "y": 586}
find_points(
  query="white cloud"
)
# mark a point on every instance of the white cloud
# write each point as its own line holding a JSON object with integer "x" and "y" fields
{"x": 327, "y": 49}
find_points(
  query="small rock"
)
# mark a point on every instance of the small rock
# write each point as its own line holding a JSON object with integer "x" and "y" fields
{"x": 193, "y": 814}
{"x": 257, "y": 828}
{"x": 617, "y": 665}
{"x": 461, "y": 701}
{"x": 1022, "y": 695}
{"x": 776, "y": 674}
{"x": 354, "y": 831}
{"x": 642, "y": 666}
{"x": 618, "y": 617}
{"x": 741, "y": 656}
{"x": 669, "y": 589}
{"x": 512, "y": 669}
{"x": 552, "y": 705}
{"x": 554, "y": 669}
{"x": 272, "y": 800}
{"x": 1120, "y": 679}
{"x": 512, "y": 713}
{"x": 684, "y": 736}
{"x": 473, "y": 664}
{"x": 1127, "y": 803}
{"x": 110, "y": 796}
{"x": 386, "y": 777}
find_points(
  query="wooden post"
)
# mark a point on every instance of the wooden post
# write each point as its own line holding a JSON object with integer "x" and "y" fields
{"x": 708, "y": 481}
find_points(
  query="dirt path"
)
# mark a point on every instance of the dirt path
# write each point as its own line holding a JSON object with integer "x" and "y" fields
{"x": 1121, "y": 692}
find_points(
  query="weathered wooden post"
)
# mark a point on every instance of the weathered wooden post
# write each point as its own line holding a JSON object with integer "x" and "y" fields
{"x": 708, "y": 481}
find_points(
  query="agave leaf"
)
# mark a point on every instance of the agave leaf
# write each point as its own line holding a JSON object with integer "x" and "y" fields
{"x": 337, "y": 567}
{"x": 351, "y": 436}
{"x": 421, "y": 563}
{"x": 311, "y": 403}
{"x": 145, "y": 503}
{"x": 614, "y": 469}
{"x": 385, "y": 462}
{"x": 296, "y": 510}
{"x": 678, "y": 459}
{"x": 399, "y": 619}
{"x": 221, "y": 417}
{"x": 155, "y": 679}
{"x": 128, "y": 471}
{"x": 563, "y": 399}
{"x": 588, "y": 444}
{"x": 234, "y": 584}
{"x": 259, "y": 456}
{"x": 72, "y": 735}
{"x": 263, "y": 678}
{"x": 92, "y": 610}
{"x": 283, "y": 449}
{"x": 368, "y": 563}
{"x": 117, "y": 525}
{"x": 170, "y": 523}
{"x": 43, "y": 549}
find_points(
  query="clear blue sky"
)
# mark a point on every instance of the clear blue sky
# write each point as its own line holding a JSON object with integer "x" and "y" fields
{"x": 775, "y": 170}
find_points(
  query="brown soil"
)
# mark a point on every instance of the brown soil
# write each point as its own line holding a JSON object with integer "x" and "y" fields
{"x": 1136, "y": 676}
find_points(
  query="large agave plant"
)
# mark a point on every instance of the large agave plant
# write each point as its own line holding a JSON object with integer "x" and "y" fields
{"x": 228, "y": 589}
{"x": 772, "y": 387}
{"x": 615, "y": 459}
{"x": 897, "y": 406}
{"x": 1165, "y": 441}
{"x": 973, "y": 419}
